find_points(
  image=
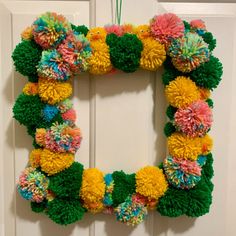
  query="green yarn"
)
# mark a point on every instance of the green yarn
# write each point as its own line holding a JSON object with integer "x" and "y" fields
{"x": 208, "y": 167}
{"x": 67, "y": 183}
{"x": 124, "y": 185}
{"x": 210, "y": 40}
{"x": 174, "y": 203}
{"x": 26, "y": 56}
{"x": 28, "y": 109}
{"x": 169, "y": 129}
{"x": 210, "y": 103}
{"x": 65, "y": 211}
{"x": 186, "y": 26}
{"x": 208, "y": 75}
{"x": 125, "y": 51}
{"x": 38, "y": 207}
{"x": 81, "y": 29}
{"x": 170, "y": 112}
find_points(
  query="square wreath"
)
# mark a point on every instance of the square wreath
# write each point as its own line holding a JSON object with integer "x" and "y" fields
{"x": 51, "y": 52}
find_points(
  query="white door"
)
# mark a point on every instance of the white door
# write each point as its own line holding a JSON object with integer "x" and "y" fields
{"x": 122, "y": 118}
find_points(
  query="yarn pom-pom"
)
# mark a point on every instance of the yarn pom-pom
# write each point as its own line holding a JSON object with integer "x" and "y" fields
{"x": 170, "y": 112}
{"x": 210, "y": 40}
{"x": 125, "y": 52}
{"x": 124, "y": 185}
{"x": 169, "y": 129}
{"x": 65, "y": 105}
{"x": 50, "y": 29}
{"x": 30, "y": 89}
{"x": 69, "y": 116}
{"x": 151, "y": 182}
{"x": 166, "y": 27}
{"x": 33, "y": 185}
{"x": 64, "y": 211}
{"x": 53, "y": 66}
{"x": 209, "y": 74}
{"x": 198, "y": 26}
{"x": 68, "y": 182}
{"x": 107, "y": 201}
{"x": 207, "y": 144}
{"x": 49, "y": 112}
{"x": 27, "y": 33}
{"x": 194, "y": 120}
{"x": 188, "y": 52}
{"x": 131, "y": 212}
{"x": 183, "y": 174}
{"x": 181, "y": 92}
{"x": 35, "y": 157}
{"x": 181, "y": 146}
{"x": 92, "y": 190}
{"x": 208, "y": 166}
{"x": 26, "y": 57}
{"x": 38, "y": 207}
{"x": 114, "y": 29}
{"x": 80, "y": 29}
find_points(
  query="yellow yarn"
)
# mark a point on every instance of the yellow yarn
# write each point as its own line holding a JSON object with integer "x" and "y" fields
{"x": 40, "y": 136}
{"x": 181, "y": 146}
{"x": 204, "y": 93}
{"x": 35, "y": 157}
{"x": 181, "y": 92}
{"x": 151, "y": 182}
{"x": 93, "y": 189}
{"x": 53, "y": 162}
{"x": 27, "y": 34}
{"x": 154, "y": 53}
{"x": 52, "y": 91}
{"x": 99, "y": 62}
{"x": 30, "y": 89}
{"x": 207, "y": 144}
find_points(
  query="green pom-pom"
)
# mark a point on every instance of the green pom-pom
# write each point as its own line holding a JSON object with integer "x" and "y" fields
{"x": 208, "y": 167}
{"x": 170, "y": 112}
{"x": 124, "y": 185}
{"x": 38, "y": 207}
{"x": 26, "y": 57}
{"x": 160, "y": 166}
{"x": 208, "y": 75}
{"x": 28, "y": 110}
{"x": 186, "y": 26}
{"x": 210, "y": 40}
{"x": 169, "y": 129}
{"x": 67, "y": 183}
{"x": 64, "y": 211}
{"x": 210, "y": 103}
{"x": 174, "y": 203}
{"x": 125, "y": 51}
{"x": 81, "y": 29}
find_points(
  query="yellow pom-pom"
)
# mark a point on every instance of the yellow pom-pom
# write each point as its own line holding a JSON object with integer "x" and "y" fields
{"x": 30, "y": 89}
{"x": 97, "y": 34}
{"x": 27, "y": 34}
{"x": 35, "y": 157}
{"x": 204, "y": 93}
{"x": 151, "y": 182}
{"x": 207, "y": 144}
{"x": 53, "y": 162}
{"x": 181, "y": 146}
{"x": 52, "y": 91}
{"x": 181, "y": 92}
{"x": 40, "y": 136}
{"x": 93, "y": 189}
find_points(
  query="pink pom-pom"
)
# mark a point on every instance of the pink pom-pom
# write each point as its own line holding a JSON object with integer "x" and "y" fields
{"x": 166, "y": 27}
{"x": 195, "y": 120}
{"x": 69, "y": 115}
{"x": 198, "y": 24}
{"x": 114, "y": 29}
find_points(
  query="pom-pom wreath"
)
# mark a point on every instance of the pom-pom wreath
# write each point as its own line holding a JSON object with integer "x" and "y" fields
{"x": 131, "y": 212}
{"x": 75, "y": 51}
{"x": 194, "y": 120}
{"x": 33, "y": 185}
{"x": 68, "y": 182}
{"x": 124, "y": 185}
{"x": 166, "y": 27}
{"x": 60, "y": 138}
{"x": 170, "y": 112}
{"x": 64, "y": 211}
{"x": 28, "y": 109}
{"x": 50, "y": 29}
{"x": 30, "y": 89}
{"x": 53, "y": 163}
{"x": 99, "y": 62}
{"x": 27, "y": 33}
{"x": 181, "y": 146}
{"x": 169, "y": 129}
{"x": 125, "y": 51}
{"x": 181, "y": 92}
{"x": 188, "y": 52}
{"x": 93, "y": 190}
{"x": 207, "y": 144}
{"x": 209, "y": 74}
{"x": 210, "y": 40}
{"x": 52, "y": 91}
{"x": 52, "y": 66}
{"x": 151, "y": 182}
{"x": 107, "y": 201}
{"x": 80, "y": 29}
{"x": 35, "y": 157}
{"x": 153, "y": 54}
{"x": 26, "y": 57}
{"x": 69, "y": 116}
{"x": 183, "y": 174}
{"x": 49, "y": 112}
{"x": 38, "y": 207}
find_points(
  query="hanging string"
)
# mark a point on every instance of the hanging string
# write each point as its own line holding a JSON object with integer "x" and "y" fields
{"x": 118, "y": 11}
